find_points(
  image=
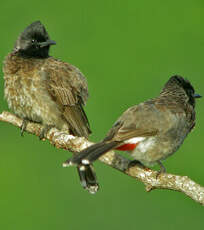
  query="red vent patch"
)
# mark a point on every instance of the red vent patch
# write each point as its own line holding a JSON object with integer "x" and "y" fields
{"x": 127, "y": 147}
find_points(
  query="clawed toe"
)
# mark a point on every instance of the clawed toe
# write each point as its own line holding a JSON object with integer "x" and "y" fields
{"x": 162, "y": 169}
{"x": 23, "y": 126}
{"x": 44, "y": 131}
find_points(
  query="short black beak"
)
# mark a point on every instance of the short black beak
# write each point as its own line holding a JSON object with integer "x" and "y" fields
{"x": 47, "y": 43}
{"x": 197, "y": 95}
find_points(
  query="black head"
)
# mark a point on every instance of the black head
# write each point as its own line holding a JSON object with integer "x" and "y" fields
{"x": 182, "y": 89}
{"x": 34, "y": 41}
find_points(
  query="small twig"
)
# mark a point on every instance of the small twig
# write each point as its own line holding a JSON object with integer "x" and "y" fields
{"x": 147, "y": 176}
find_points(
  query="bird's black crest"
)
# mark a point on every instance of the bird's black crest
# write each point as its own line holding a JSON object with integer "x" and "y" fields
{"x": 33, "y": 42}
{"x": 181, "y": 88}
{"x": 184, "y": 83}
{"x": 36, "y": 30}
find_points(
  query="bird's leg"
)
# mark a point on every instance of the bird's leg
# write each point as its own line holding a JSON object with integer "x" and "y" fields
{"x": 134, "y": 163}
{"x": 162, "y": 169}
{"x": 45, "y": 130}
{"x": 23, "y": 126}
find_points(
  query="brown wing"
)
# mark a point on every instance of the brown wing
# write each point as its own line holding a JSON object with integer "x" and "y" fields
{"x": 138, "y": 121}
{"x": 68, "y": 87}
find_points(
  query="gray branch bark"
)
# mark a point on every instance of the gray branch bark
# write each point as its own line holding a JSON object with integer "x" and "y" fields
{"x": 149, "y": 177}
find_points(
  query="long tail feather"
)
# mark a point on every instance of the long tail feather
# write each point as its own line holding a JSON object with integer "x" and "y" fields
{"x": 88, "y": 178}
{"x": 90, "y": 154}
{"x": 83, "y": 162}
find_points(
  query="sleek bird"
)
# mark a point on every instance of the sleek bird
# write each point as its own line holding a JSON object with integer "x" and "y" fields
{"x": 150, "y": 131}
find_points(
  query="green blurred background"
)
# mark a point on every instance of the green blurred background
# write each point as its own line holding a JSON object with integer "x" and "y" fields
{"x": 127, "y": 50}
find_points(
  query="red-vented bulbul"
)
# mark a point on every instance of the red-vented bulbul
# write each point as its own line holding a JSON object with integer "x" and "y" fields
{"x": 150, "y": 131}
{"x": 43, "y": 89}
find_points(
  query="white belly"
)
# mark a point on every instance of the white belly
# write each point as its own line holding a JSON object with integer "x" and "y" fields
{"x": 144, "y": 151}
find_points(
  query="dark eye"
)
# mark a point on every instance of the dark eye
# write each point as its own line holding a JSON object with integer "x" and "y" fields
{"x": 190, "y": 92}
{"x": 33, "y": 41}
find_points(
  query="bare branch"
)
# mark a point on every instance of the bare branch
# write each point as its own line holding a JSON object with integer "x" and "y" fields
{"x": 147, "y": 176}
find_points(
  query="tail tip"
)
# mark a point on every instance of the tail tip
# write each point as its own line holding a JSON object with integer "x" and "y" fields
{"x": 67, "y": 164}
{"x": 92, "y": 189}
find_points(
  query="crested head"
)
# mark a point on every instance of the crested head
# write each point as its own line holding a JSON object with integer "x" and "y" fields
{"x": 180, "y": 89}
{"x": 34, "y": 41}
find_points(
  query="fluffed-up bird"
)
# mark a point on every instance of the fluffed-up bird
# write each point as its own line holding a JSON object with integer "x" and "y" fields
{"x": 43, "y": 89}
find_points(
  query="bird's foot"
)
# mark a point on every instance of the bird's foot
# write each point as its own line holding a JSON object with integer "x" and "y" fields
{"x": 23, "y": 126}
{"x": 45, "y": 130}
{"x": 135, "y": 163}
{"x": 162, "y": 169}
